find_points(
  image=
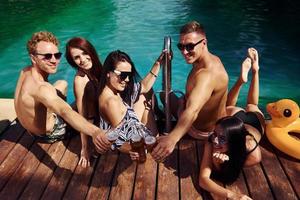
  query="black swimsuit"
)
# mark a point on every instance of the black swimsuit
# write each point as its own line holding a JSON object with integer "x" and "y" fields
{"x": 251, "y": 119}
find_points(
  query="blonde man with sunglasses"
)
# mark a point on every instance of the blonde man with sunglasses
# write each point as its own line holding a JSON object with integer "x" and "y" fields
{"x": 40, "y": 106}
{"x": 206, "y": 92}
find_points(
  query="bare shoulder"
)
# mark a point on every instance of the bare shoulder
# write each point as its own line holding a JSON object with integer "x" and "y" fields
{"x": 80, "y": 77}
{"x": 218, "y": 70}
{"x": 27, "y": 84}
{"x": 45, "y": 91}
{"x": 80, "y": 82}
{"x": 107, "y": 102}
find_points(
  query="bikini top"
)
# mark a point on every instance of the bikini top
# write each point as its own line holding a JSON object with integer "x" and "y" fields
{"x": 250, "y": 118}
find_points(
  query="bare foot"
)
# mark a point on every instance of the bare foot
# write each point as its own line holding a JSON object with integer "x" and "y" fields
{"x": 252, "y": 53}
{"x": 246, "y": 65}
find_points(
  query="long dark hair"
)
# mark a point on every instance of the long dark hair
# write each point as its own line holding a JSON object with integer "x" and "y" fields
{"x": 110, "y": 65}
{"x": 235, "y": 132}
{"x": 81, "y": 43}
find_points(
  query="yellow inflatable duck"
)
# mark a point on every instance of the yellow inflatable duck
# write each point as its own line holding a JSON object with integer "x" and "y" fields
{"x": 285, "y": 119}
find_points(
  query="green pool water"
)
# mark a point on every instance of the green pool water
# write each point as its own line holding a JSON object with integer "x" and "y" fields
{"x": 138, "y": 28}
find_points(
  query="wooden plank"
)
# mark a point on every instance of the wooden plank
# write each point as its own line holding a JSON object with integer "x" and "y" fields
{"x": 257, "y": 183}
{"x": 239, "y": 186}
{"x": 102, "y": 178}
{"x": 123, "y": 181}
{"x": 275, "y": 174}
{"x": 24, "y": 172}
{"x": 189, "y": 170}
{"x": 168, "y": 181}
{"x": 145, "y": 180}
{"x": 44, "y": 172}
{"x": 291, "y": 167}
{"x": 14, "y": 159}
{"x": 63, "y": 172}
{"x": 79, "y": 184}
{"x": 9, "y": 139}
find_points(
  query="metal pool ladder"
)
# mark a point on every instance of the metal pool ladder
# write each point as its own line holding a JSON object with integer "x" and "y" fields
{"x": 167, "y": 82}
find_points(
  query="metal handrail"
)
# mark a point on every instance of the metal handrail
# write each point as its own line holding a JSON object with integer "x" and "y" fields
{"x": 167, "y": 82}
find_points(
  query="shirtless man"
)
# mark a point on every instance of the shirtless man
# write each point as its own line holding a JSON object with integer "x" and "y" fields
{"x": 206, "y": 91}
{"x": 39, "y": 108}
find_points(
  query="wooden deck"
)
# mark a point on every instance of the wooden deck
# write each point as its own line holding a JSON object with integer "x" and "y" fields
{"x": 32, "y": 170}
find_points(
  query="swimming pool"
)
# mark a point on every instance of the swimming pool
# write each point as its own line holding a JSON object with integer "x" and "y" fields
{"x": 138, "y": 28}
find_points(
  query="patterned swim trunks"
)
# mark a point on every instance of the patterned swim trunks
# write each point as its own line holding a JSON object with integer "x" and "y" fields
{"x": 59, "y": 131}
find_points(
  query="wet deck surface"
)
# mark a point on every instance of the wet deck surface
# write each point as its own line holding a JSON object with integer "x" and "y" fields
{"x": 32, "y": 170}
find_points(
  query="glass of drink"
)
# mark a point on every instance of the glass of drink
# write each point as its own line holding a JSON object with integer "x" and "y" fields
{"x": 137, "y": 145}
{"x": 150, "y": 142}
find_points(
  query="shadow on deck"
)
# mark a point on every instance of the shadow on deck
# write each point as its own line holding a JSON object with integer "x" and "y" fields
{"x": 33, "y": 170}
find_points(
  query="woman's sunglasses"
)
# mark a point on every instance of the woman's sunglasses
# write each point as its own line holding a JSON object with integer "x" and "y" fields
{"x": 219, "y": 140}
{"x": 123, "y": 75}
{"x": 48, "y": 56}
{"x": 189, "y": 47}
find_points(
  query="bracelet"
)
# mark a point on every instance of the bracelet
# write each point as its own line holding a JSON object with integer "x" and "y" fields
{"x": 153, "y": 74}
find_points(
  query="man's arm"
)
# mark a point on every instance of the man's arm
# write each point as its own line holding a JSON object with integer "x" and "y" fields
{"x": 46, "y": 94}
{"x": 199, "y": 95}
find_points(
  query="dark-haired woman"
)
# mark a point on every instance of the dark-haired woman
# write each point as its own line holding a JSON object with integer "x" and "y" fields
{"x": 234, "y": 142}
{"x": 125, "y": 99}
{"x": 82, "y": 56}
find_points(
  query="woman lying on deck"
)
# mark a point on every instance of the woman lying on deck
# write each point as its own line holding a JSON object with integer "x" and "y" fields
{"x": 234, "y": 142}
{"x": 125, "y": 103}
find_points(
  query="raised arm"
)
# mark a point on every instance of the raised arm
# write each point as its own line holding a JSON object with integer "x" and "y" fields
{"x": 150, "y": 78}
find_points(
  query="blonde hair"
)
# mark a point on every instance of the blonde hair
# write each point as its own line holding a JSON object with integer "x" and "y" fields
{"x": 191, "y": 27}
{"x": 38, "y": 37}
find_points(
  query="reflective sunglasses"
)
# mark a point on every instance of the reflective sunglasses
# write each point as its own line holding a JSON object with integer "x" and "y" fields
{"x": 48, "y": 56}
{"x": 219, "y": 140}
{"x": 123, "y": 75}
{"x": 189, "y": 47}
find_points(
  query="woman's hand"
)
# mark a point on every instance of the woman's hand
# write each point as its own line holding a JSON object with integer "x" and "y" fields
{"x": 219, "y": 157}
{"x": 84, "y": 160}
{"x": 134, "y": 155}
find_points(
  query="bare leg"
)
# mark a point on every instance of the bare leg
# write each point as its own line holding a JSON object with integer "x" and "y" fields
{"x": 253, "y": 93}
{"x": 235, "y": 90}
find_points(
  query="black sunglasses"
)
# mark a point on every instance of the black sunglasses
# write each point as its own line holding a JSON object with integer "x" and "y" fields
{"x": 189, "y": 47}
{"x": 48, "y": 56}
{"x": 219, "y": 139}
{"x": 123, "y": 75}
